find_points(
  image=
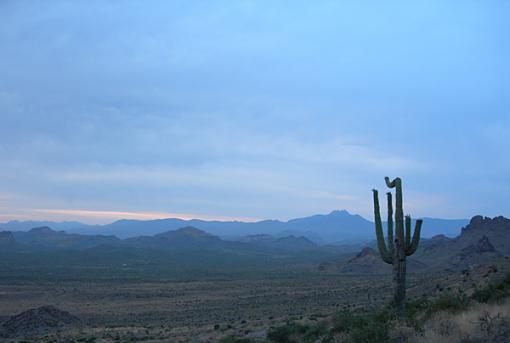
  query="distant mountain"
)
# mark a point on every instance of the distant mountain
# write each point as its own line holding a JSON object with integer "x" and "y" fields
{"x": 289, "y": 243}
{"x": 15, "y": 225}
{"x": 186, "y": 239}
{"x": 45, "y": 237}
{"x": 183, "y": 239}
{"x": 447, "y": 227}
{"x": 312, "y": 236}
{"x": 337, "y": 227}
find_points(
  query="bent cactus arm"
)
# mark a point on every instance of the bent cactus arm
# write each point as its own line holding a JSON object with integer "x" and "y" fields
{"x": 385, "y": 254}
{"x": 416, "y": 238}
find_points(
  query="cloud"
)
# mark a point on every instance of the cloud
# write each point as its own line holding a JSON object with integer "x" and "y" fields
{"x": 101, "y": 216}
{"x": 252, "y": 109}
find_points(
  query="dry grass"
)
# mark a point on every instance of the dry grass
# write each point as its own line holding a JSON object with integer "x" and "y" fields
{"x": 481, "y": 323}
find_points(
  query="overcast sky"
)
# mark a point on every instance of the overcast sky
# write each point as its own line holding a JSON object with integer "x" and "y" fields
{"x": 252, "y": 109}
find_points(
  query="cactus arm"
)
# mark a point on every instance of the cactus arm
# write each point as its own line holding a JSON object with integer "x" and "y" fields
{"x": 416, "y": 238}
{"x": 385, "y": 255}
{"x": 390, "y": 223}
{"x": 389, "y": 184}
{"x": 399, "y": 212}
{"x": 408, "y": 231}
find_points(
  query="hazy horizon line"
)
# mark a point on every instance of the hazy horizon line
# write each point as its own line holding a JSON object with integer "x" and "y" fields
{"x": 104, "y": 217}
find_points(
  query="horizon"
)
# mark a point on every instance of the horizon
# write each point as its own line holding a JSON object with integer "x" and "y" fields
{"x": 150, "y": 217}
{"x": 252, "y": 110}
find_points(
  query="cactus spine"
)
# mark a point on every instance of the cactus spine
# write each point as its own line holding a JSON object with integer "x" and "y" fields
{"x": 399, "y": 245}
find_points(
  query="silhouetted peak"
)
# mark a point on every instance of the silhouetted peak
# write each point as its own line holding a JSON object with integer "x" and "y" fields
{"x": 192, "y": 231}
{"x": 339, "y": 213}
{"x": 188, "y": 231}
{"x": 479, "y": 223}
{"x": 477, "y": 220}
{"x": 42, "y": 230}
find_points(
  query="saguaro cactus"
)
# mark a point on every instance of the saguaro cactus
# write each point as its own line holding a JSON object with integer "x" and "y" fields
{"x": 399, "y": 245}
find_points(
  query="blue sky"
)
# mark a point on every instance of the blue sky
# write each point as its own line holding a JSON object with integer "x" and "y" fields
{"x": 252, "y": 109}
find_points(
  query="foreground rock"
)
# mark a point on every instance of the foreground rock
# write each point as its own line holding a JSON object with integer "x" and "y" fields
{"x": 43, "y": 319}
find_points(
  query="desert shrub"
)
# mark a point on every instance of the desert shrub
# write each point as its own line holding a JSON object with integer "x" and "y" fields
{"x": 496, "y": 326}
{"x": 285, "y": 333}
{"x": 294, "y": 332}
{"x": 452, "y": 302}
{"x": 366, "y": 328}
{"x": 314, "y": 332}
{"x": 344, "y": 321}
{"x": 415, "y": 312}
{"x": 232, "y": 339}
{"x": 494, "y": 291}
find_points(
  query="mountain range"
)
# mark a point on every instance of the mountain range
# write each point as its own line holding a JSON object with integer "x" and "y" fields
{"x": 186, "y": 239}
{"x": 483, "y": 241}
{"x": 337, "y": 227}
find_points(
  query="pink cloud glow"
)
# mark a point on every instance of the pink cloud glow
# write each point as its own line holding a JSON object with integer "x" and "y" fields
{"x": 100, "y": 216}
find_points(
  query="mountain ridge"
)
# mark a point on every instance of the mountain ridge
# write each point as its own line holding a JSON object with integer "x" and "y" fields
{"x": 336, "y": 227}
{"x": 184, "y": 239}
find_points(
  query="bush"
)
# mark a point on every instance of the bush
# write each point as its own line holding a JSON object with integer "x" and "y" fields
{"x": 232, "y": 339}
{"x": 367, "y": 328}
{"x": 494, "y": 291}
{"x": 416, "y": 310}
{"x": 295, "y": 332}
{"x": 449, "y": 302}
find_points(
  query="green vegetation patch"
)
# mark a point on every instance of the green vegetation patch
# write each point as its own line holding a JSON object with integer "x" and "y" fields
{"x": 493, "y": 292}
{"x": 294, "y": 332}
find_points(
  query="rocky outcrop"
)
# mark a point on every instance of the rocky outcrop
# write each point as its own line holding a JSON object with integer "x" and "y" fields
{"x": 497, "y": 230}
{"x": 479, "y": 253}
{"x": 481, "y": 242}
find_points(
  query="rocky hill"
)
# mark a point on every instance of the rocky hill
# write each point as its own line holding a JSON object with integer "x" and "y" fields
{"x": 480, "y": 242}
{"x": 186, "y": 238}
{"x": 36, "y": 321}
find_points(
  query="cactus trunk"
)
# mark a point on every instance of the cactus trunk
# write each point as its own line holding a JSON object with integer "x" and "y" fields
{"x": 399, "y": 278}
{"x": 399, "y": 244}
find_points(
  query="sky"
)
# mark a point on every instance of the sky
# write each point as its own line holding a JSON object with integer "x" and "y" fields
{"x": 249, "y": 110}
